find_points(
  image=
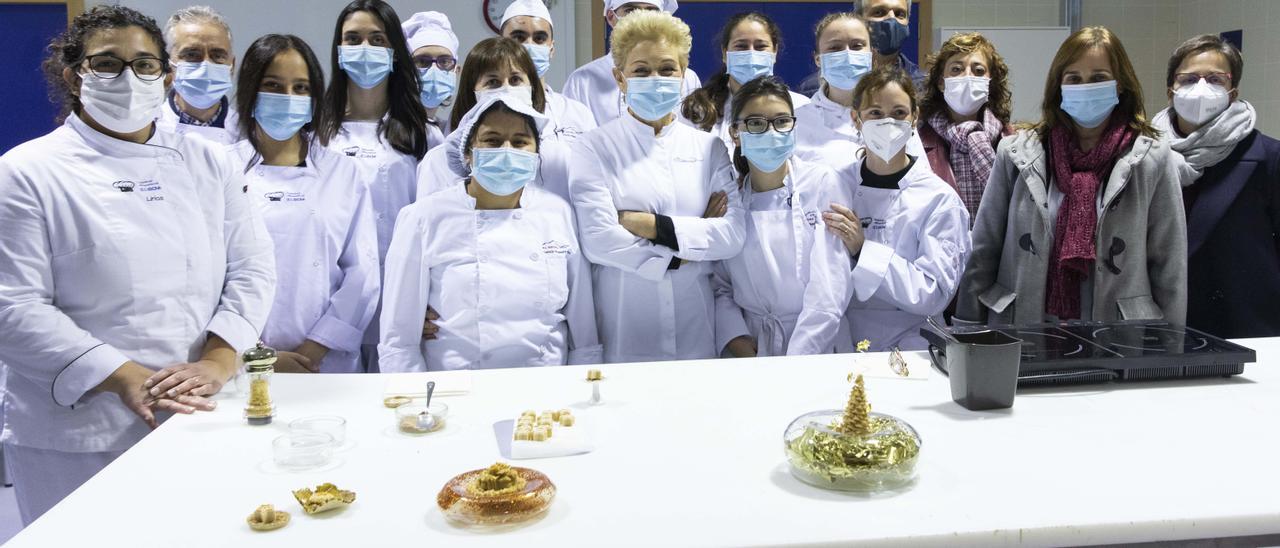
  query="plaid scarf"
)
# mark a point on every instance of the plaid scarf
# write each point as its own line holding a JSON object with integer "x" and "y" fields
{"x": 1078, "y": 175}
{"x": 972, "y": 153}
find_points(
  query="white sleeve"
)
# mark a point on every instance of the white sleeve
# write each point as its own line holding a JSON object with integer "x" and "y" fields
{"x": 717, "y": 238}
{"x": 730, "y": 322}
{"x": 352, "y": 305}
{"x": 580, "y": 312}
{"x": 926, "y": 283}
{"x": 250, "y": 284}
{"x": 827, "y": 295}
{"x": 575, "y": 87}
{"x": 37, "y": 340}
{"x": 604, "y": 241}
{"x": 405, "y": 288}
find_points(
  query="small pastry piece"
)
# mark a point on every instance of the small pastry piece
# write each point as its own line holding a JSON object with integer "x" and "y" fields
{"x": 267, "y": 518}
{"x": 392, "y": 402}
{"x": 325, "y": 497}
{"x": 564, "y": 412}
{"x": 529, "y": 413}
{"x": 524, "y": 434}
{"x": 539, "y": 434}
{"x": 546, "y": 430}
{"x": 594, "y": 375}
{"x": 566, "y": 420}
{"x": 555, "y": 416}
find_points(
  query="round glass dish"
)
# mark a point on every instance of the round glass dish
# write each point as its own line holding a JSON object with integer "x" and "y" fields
{"x": 303, "y": 450}
{"x": 329, "y": 424}
{"x": 823, "y": 456}
{"x": 464, "y": 506}
{"x": 418, "y": 419}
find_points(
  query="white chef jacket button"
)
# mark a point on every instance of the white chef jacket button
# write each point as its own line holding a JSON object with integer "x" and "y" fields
{"x": 537, "y": 304}
{"x": 533, "y": 257}
{"x": 382, "y": 169}
{"x": 380, "y": 216}
{"x": 315, "y": 264}
{"x": 260, "y": 171}
{"x": 484, "y": 259}
{"x": 517, "y": 215}
{"x": 313, "y": 211}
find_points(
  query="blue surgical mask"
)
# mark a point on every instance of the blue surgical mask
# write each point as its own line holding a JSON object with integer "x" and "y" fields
{"x": 503, "y": 171}
{"x": 367, "y": 66}
{"x": 541, "y": 56}
{"x": 842, "y": 69}
{"x": 281, "y": 116}
{"x": 888, "y": 35}
{"x": 653, "y": 98}
{"x": 437, "y": 86}
{"x": 745, "y": 66}
{"x": 1090, "y": 104}
{"x": 201, "y": 85}
{"x": 769, "y": 150}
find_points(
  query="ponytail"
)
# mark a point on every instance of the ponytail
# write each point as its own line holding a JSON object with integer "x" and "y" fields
{"x": 705, "y": 106}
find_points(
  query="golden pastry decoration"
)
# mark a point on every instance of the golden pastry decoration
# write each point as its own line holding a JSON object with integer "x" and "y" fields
{"x": 497, "y": 495}
{"x": 392, "y": 402}
{"x": 533, "y": 426}
{"x": 594, "y": 375}
{"x": 852, "y": 449}
{"x": 324, "y": 498}
{"x": 267, "y": 518}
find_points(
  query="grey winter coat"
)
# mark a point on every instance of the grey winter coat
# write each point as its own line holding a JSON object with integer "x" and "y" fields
{"x": 1141, "y": 266}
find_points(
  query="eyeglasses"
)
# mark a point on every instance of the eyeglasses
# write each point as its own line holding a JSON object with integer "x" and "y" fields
{"x": 756, "y": 125}
{"x": 108, "y": 66}
{"x": 1182, "y": 79}
{"x": 445, "y": 62}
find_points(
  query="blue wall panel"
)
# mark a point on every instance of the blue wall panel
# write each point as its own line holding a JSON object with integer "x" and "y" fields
{"x": 25, "y": 32}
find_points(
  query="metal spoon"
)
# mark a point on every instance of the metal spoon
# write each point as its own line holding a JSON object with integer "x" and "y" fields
{"x": 431, "y": 387}
{"x": 426, "y": 420}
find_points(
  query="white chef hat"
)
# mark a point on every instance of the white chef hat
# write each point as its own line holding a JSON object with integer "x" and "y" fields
{"x": 430, "y": 28}
{"x": 457, "y": 140}
{"x": 532, "y": 8}
{"x": 668, "y": 6}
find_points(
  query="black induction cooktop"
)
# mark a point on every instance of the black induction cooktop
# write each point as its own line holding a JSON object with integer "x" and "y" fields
{"x": 1076, "y": 352}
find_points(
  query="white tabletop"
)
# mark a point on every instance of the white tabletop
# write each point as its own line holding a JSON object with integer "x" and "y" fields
{"x": 691, "y": 454}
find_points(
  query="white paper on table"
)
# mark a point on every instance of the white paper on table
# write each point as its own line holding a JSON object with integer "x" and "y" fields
{"x": 564, "y": 441}
{"x": 414, "y": 385}
{"x": 876, "y": 365}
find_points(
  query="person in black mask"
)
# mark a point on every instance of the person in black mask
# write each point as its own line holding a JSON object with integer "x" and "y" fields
{"x": 890, "y": 22}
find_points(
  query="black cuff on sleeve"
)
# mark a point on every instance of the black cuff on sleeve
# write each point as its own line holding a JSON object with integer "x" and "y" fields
{"x": 675, "y": 264}
{"x": 666, "y": 232}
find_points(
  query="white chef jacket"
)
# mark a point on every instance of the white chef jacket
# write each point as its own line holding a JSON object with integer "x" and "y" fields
{"x": 435, "y": 171}
{"x": 646, "y": 311}
{"x": 511, "y": 286}
{"x": 593, "y": 85}
{"x": 825, "y": 134}
{"x": 227, "y": 134}
{"x": 787, "y": 289}
{"x": 570, "y": 119}
{"x": 917, "y": 242}
{"x": 721, "y": 129}
{"x": 391, "y": 176}
{"x": 326, "y": 249}
{"x": 115, "y": 251}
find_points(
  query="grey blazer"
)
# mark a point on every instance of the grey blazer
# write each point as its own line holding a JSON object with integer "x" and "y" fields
{"x": 1141, "y": 269}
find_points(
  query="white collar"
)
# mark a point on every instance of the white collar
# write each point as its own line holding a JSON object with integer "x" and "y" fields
{"x": 156, "y": 146}
{"x": 644, "y": 131}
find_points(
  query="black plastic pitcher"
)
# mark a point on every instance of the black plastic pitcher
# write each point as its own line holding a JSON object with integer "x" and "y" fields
{"x": 983, "y": 368}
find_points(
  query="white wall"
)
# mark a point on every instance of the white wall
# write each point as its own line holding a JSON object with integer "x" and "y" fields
{"x": 313, "y": 20}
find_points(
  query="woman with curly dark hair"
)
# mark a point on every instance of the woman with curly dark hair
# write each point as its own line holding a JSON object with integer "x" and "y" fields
{"x": 964, "y": 114}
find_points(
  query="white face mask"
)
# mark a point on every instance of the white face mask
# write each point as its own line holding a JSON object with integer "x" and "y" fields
{"x": 524, "y": 94}
{"x": 123, "y": 104}
{"x": 886, "y": 137}
{"x": 1200, "y": 103}
{"x": 966, "y": 94}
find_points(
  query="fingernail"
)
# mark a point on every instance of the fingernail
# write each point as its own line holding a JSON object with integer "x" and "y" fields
{"x": 147, "y": 384}
{"x": 155, "y": 392}
{"x": 173, "y": 392}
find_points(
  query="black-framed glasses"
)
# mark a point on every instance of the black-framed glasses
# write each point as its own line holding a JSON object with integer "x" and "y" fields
{"x": 108, "y": 66}
{"x": 1183, "y": 79}
{"x": 759, "y": 124}
{"x": 445, "y": 62}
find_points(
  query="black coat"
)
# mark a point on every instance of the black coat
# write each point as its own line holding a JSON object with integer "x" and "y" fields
{"x": 1233, "y": 243}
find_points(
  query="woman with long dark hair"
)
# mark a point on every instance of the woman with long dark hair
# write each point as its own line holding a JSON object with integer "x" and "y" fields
{"x": 322, "y": 227}
{"x": 749, "y": 46}
{"x": 373, "y": 113}
{"x": 134, "y": 266}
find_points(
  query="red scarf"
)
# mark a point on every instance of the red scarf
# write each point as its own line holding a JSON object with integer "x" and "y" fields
{"x": 1078, "y": 175}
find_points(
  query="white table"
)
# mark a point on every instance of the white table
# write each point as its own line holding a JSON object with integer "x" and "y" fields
{"x": 691, "y": 454}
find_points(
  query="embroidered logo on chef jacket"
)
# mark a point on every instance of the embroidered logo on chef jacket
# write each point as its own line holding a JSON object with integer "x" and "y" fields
{"x": 152, "y": 190}
{"x": 874, "y": 224}
{"x": 280, "y": 196}
{"x": 556, "y": 247}
{"x": 568, "y": 132}
{"x": 811, "y": 218}
{"x": 124, "y": 186}
{"x": 360, "y": 152}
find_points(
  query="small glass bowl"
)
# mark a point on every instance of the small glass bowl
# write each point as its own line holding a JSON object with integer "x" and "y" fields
{"x": 821, "y": 455}
{"x": 419, "y": 419}
{"x": 329, "y": 424}
{"x": 303, "y": 450}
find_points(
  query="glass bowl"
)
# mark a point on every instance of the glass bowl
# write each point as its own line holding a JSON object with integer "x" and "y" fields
{"x": 463, "y": 506}
{"x": 823, "y": 456}
{"x": 329, "y": 424}
{"x": 419, "y": 419}
{"x": 303, "y": 450}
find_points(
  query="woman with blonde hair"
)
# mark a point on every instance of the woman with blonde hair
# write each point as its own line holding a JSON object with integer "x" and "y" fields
{"x": 964, "y": 113}
{"x": 656, "y": 202}
{"x": 1082, "y": 217}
